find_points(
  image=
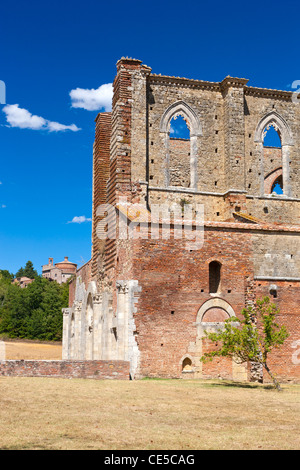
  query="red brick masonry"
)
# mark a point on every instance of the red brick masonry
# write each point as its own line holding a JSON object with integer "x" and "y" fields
{"x": 66, "y": 369}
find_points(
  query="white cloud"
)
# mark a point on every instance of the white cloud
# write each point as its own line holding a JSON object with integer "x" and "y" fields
{"x": 56, "y": 127}
{"x": 20, "y": 117}
{"x": 93, "y": 100}
{"x": 3, "y": 206}
{"x": 79, "y": 220}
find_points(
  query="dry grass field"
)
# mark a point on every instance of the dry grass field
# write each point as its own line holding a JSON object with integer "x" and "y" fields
{"x": 32, "y": 350}
{"x": 46, "y": 413}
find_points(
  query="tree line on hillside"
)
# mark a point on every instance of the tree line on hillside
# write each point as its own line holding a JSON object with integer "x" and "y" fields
{"x": 34, "y": 312}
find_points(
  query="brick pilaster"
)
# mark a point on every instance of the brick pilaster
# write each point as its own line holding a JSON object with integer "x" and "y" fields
{"x": 234, "y": 132}
{"x": 101, "y": 171}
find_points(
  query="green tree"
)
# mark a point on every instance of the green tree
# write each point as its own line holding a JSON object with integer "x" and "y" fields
{"x": 34, "y": 312}
{"x": 13, "y": 313}
{"x": 5, "y": 281}
{"x": 251, "y": 339}
{"x": 28, "y": 271}
{"x": 20, "y": 273}
{"x": 4, "y": 274}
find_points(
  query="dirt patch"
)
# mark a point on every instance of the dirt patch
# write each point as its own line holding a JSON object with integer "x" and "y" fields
{"x": 32, "y": 350}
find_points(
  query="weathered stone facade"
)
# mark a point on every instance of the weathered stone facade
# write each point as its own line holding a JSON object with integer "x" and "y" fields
{"x": 149, "y": 299}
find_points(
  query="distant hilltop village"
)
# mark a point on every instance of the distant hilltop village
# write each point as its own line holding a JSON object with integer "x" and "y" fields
{"x": 59, "y": 272}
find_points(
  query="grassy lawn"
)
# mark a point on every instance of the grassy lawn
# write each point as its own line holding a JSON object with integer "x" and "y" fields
{"x": 42, "y": 413}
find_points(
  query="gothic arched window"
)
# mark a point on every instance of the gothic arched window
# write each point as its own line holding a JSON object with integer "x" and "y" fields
{"x": 180, "y": 171}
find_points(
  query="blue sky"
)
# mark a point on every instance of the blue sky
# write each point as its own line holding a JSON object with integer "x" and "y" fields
{"x": 49, "y": 49}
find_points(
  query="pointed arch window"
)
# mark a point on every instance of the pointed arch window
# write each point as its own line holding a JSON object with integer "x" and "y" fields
{"x": 281, "y": 155}
{"x": 179, "y": 153}
{"x": 272, "y": 160}
{"x": 181, "y": 157}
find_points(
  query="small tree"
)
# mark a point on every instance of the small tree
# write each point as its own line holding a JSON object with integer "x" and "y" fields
{"x": 29, "y": 270}
{"x": 20, "y": 273}
{"x": 253, "y": 339}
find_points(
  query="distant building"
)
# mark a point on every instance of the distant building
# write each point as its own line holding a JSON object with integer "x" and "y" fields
{"x": 23, "y": 281}
{"x": 59, "y": 272}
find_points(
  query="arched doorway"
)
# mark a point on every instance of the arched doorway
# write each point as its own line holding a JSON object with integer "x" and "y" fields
{"x": 211, "y": 317}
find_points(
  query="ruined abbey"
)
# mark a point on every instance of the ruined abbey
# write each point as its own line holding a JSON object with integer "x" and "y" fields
{"x": 148, "y": 298}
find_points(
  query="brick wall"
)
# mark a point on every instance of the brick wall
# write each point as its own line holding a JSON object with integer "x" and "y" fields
{"x": 281, "y": 361}
{"x": 119, "y": 182}
{"x": 180, "y": 170}
{"x": 272, "y": 159}
{"x": 174, "y": 284}
{"x": 66, "y": 369}
{"x": 85, "y": 273}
